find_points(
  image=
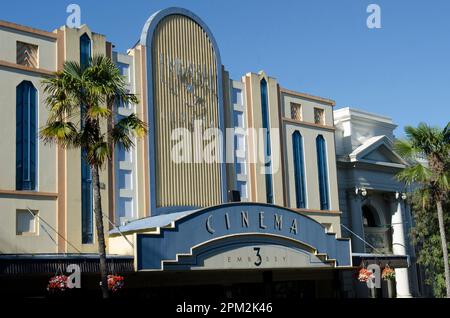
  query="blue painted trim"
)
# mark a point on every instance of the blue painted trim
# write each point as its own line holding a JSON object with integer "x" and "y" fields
{"x": 26, "y": 136}
{"x": 200, "y": 253}
{"x": 146, "y": 40}
{"x": 299, "y": 170}
{"x": 267, "y": 146}
{"x": 87, "y": 193}
{"x": 323, "y": 173}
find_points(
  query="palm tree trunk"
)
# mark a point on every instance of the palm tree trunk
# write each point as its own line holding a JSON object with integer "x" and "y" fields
{"x": 100, "y": 231}
{"x": 444, "y": 245}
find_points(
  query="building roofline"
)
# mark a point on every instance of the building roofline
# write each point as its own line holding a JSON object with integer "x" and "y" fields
{"x": 308, "y": 96}
{"x": 347, "y": 113}
{"x": 27, "y": 29}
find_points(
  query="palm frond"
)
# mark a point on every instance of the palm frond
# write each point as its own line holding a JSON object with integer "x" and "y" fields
{"x": 406, "y": 149}
{"x": 127, "y": 127}
{"x": 417, "y": 173}
{"x": 98, "y": 153}
{"x": 62, "y": 133}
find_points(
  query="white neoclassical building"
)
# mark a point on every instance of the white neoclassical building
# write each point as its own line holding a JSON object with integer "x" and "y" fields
{"x": 376, "y": 212}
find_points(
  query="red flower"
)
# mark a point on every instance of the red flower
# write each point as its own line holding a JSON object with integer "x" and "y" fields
{"x": 57, "y": 283}
{"x": 364, "y": 275}
{"x": 115, "y": 282}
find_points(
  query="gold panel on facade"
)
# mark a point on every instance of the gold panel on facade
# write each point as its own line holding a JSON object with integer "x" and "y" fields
{"x": 185, "y": 90}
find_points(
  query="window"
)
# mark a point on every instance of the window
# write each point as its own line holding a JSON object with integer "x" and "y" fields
{"x": 299, "y": 174}
{"x": 240, "y": 166}
{"x": 26, "y": 222}
{"x": 125, "y": 208}
{"x": 123, "y": 154}
{"x": 85, "y": 50}
{"x": 267, "y": 150}
{"x": 236, "y": 96}
{"x": 26, "y": 136}
{"x": 27, "y": 54}
{"x": 121, "y": 103}
{"x": 242, "y": 188}
{"x": 239, "y": 119}
{"x": 319, "y": 116}
{"x": 323, "y": 172}
{"x": 296, "y": 111}
{"x": 87, "y": 213}
{"x": 124, "y": 70}
{"x": 125, "y": 180}
{"x": 240, "y": 143}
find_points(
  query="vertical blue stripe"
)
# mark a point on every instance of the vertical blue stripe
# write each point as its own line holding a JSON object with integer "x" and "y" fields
{"x": 323, "y": 172}
{"x": 297, "y": 145}
{"x": 26, "y": 126}
{"x": 87, "y": 216}
{"x": 267, "y": 150}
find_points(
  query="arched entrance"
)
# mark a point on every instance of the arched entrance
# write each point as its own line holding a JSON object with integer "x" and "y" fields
{"x": 375, "y": 230}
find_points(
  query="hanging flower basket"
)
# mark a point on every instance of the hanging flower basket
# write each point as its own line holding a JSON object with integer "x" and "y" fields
{"x": 388, "y": 273}
{"x": 364, "y": 275}
{"x": 115, "y": 283}
{"x": 57, "y": 283}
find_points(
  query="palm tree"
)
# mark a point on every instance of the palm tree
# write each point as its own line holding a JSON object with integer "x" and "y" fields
{"x": 80, "y": 101}
{"x": 432, "y": 178}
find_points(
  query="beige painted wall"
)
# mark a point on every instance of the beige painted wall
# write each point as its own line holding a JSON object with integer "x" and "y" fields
{"x": 256, "y": 148}
{"x": 46, "y": 47}
{"x": 10, "y": 242}
{"x": 309, "y": 134}
{"x": 73, "y": 230}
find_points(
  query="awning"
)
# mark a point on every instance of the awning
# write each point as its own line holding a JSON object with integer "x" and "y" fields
{"x": 395, "y": 261}
{"x": 32, "y": 264}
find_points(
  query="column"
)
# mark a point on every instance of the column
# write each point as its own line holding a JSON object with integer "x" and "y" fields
{"x": 358, "y": 245}
{"x": 399, "y": 247}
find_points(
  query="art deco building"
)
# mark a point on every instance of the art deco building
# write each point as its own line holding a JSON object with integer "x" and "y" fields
{"x": 271, "y": 208}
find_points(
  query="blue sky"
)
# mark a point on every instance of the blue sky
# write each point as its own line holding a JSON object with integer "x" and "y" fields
{"x": 320, "y": 47}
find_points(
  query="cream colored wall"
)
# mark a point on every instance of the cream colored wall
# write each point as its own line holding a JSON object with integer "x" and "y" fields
{"x": 311, "y": 177}
{"x": 41, "y": 242}
{"x": 46, "y": 163}
{"x": 309, "y": 134}
{"x": 72, "y": 53}
{"x": 46, "y": 154}
{"x": 136, "y": 54}
{"x": 46, "y": 47}
{"x": 259, "y": 187}
{"x": 307, "y": 108}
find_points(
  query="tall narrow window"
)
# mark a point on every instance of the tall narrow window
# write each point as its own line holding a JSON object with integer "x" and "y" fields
{"x": 299, "y": 174}
{"x": 85, "y": 50}
{"x": 26, "y": 134}
{"x": 267, "y": 150}
{"x": 323, "y": 172}
{"x": 87, "y": 216}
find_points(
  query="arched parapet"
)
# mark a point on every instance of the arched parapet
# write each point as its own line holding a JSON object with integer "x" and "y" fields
{"x": 187, "y": 50}
{"x": 192, "y": 238}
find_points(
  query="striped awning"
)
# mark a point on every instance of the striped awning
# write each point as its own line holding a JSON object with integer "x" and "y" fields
{"x": 45, "y": 264}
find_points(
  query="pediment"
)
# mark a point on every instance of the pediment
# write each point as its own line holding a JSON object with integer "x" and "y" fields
{"x": 377, "y": 150}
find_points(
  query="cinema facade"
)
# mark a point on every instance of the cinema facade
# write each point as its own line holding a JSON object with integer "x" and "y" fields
{"x": 297, "y": 225}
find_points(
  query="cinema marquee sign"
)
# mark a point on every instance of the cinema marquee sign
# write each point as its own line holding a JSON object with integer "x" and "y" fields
{"x": 241, "y": 236}
{"x": 277, "y": 223}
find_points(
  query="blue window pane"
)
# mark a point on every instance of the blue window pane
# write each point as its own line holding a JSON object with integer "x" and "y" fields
{"x": 85, "y": 50}
{"x": 236, "y": 96}
{"x": 87, "y": 215}
{"x": 267, "y": 152}
{"x": 297, "y": 145}
{"x": 323, "y": 172}
{"x": 26, "y": 134}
